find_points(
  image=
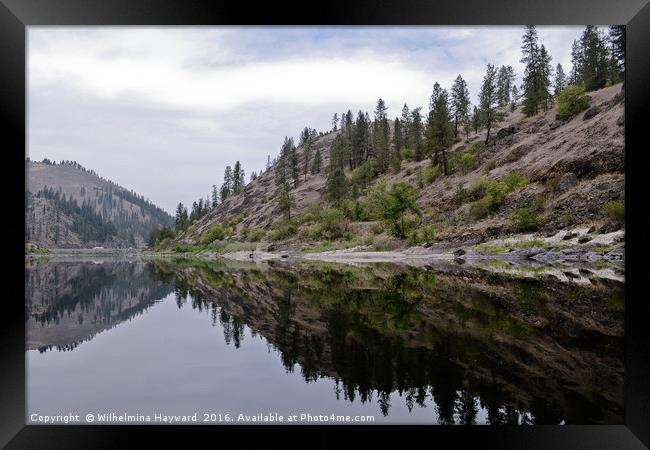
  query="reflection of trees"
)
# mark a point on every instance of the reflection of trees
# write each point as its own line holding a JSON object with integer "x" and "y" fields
{"x": 381, "y": 338}
{"x": 81, "y": 299}
{"x": 107, "y": 292}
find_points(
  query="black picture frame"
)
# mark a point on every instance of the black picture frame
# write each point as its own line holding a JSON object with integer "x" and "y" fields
{"x": 16, "y": 15}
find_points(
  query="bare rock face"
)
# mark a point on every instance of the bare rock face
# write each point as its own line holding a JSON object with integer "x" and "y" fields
{"x": 567, "y": 181}
{"x": 591, "y": 112}
{"x": 507, "y": 131}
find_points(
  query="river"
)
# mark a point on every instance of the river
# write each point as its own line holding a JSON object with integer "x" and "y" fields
{"x": 125, "y": 341}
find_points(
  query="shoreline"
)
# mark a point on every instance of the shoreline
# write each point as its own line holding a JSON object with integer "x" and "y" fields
{"x": 569, "y": 255}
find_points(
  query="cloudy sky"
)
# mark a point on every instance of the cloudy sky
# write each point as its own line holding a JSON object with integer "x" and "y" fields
{"x": 164, "y": 110}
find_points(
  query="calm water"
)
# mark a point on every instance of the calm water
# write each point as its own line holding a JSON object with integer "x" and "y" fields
{"x": 400, "y": 345}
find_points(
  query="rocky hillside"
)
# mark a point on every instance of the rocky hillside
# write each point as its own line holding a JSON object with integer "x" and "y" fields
{"x": 566, "y": 173}
{"x": 68, "y": 206}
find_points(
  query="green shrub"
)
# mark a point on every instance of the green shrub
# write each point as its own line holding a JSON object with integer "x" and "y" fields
{"x": 488, "y": 194}
{"x": 497, "y": 190}
{"x": 282, "y": 230}
{"x": 571, "y": 101}
{"x": 480, "y": 208}
{"x": 477, "y": 188}
{"x": 407, "y": 154}
{"x": 354, "y": 210}
{"x": 514, "y": 180}
{"x": 615, "y": 210}
{"x": 526, "y": 219}
{"x": 215, "y": 232}
{"x": 255, "y": 235}
{"x": 234, "y": 220}
{"x": 333, "y": 224}
{"x": 429, "y": 174}
{"x": 307, "y": 217}
{"x": 428, "y": 233}
{"x": 392, "y": 205}
{"x": 460, "y": 196}
{"x": 363, "y": 175}
{"x": 425, "y": 234}
{"x": 467, "y": 162}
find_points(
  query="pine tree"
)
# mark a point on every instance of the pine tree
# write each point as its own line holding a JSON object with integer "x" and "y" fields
{"x": 488, "y": 101}
{"x": 294, "y": 170}
{"x": 532, "y": 74}
{"x": 284, "y": 169}
{"x": 317, "y": 163}
{"x": 544, "y": 77}
{"x": 595, "y": 62}
{"x": 335, "y": 122}
{"x": 360, "y": 140}
{"x": 238, "y": 179}
{"x": 337, "y": 185}
{"x": 307, "y": 138}
{"x": 505, "y": 81}
{"x": 460, "y": 102}
{"x": 381, "y": 135}
{"x": 416, "y": 128}
{"x": 406, "y": 117}
{"x": 224, "y": 192}
{"x": 253, "y": 176}
{"x": 347, "y": 140}
{"x": 285, "y": 200}
{"x": 194, "y": 214}
{"x": 514, "y": 97}
{"x": 215, "y": 196}
{"x": 560, "y": 80}
{"x": 282, "y": 164}
{"x": 438, "y": 130}
{"x": 398, "y": 144}
{"x": 617, "y": 41}
{"x": 477, "y": 120}
{"x": 228, "y": 183}
{"x": 575, "y": 77}
{"x": 199, "y": 209}
{"x": 268, "y": 162}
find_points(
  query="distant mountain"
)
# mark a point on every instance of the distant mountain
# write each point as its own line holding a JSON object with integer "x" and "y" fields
{"x": 69, "y": 206}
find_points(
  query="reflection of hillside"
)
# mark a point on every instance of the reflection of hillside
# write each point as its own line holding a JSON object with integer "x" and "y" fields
{"x": 70, "y": 302}
{"x": 524, "y": 351}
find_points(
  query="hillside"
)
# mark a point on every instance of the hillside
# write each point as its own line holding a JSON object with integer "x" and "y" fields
{"x": 567, "y": 174}
{"x": 68, "y": 206}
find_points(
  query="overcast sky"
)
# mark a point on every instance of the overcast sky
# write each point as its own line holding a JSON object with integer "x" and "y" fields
{"x": 163, "y": 110}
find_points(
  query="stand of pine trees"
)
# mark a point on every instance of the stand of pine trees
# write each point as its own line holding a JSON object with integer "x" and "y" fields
{"x": 89, "y": 225}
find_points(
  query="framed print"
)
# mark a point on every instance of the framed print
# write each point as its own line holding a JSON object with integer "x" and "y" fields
{"x": 372, "y": 216}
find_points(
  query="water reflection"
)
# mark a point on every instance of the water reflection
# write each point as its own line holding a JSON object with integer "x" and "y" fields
{"x": 474, "y": 347}
{"x": 70, "y": 302}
